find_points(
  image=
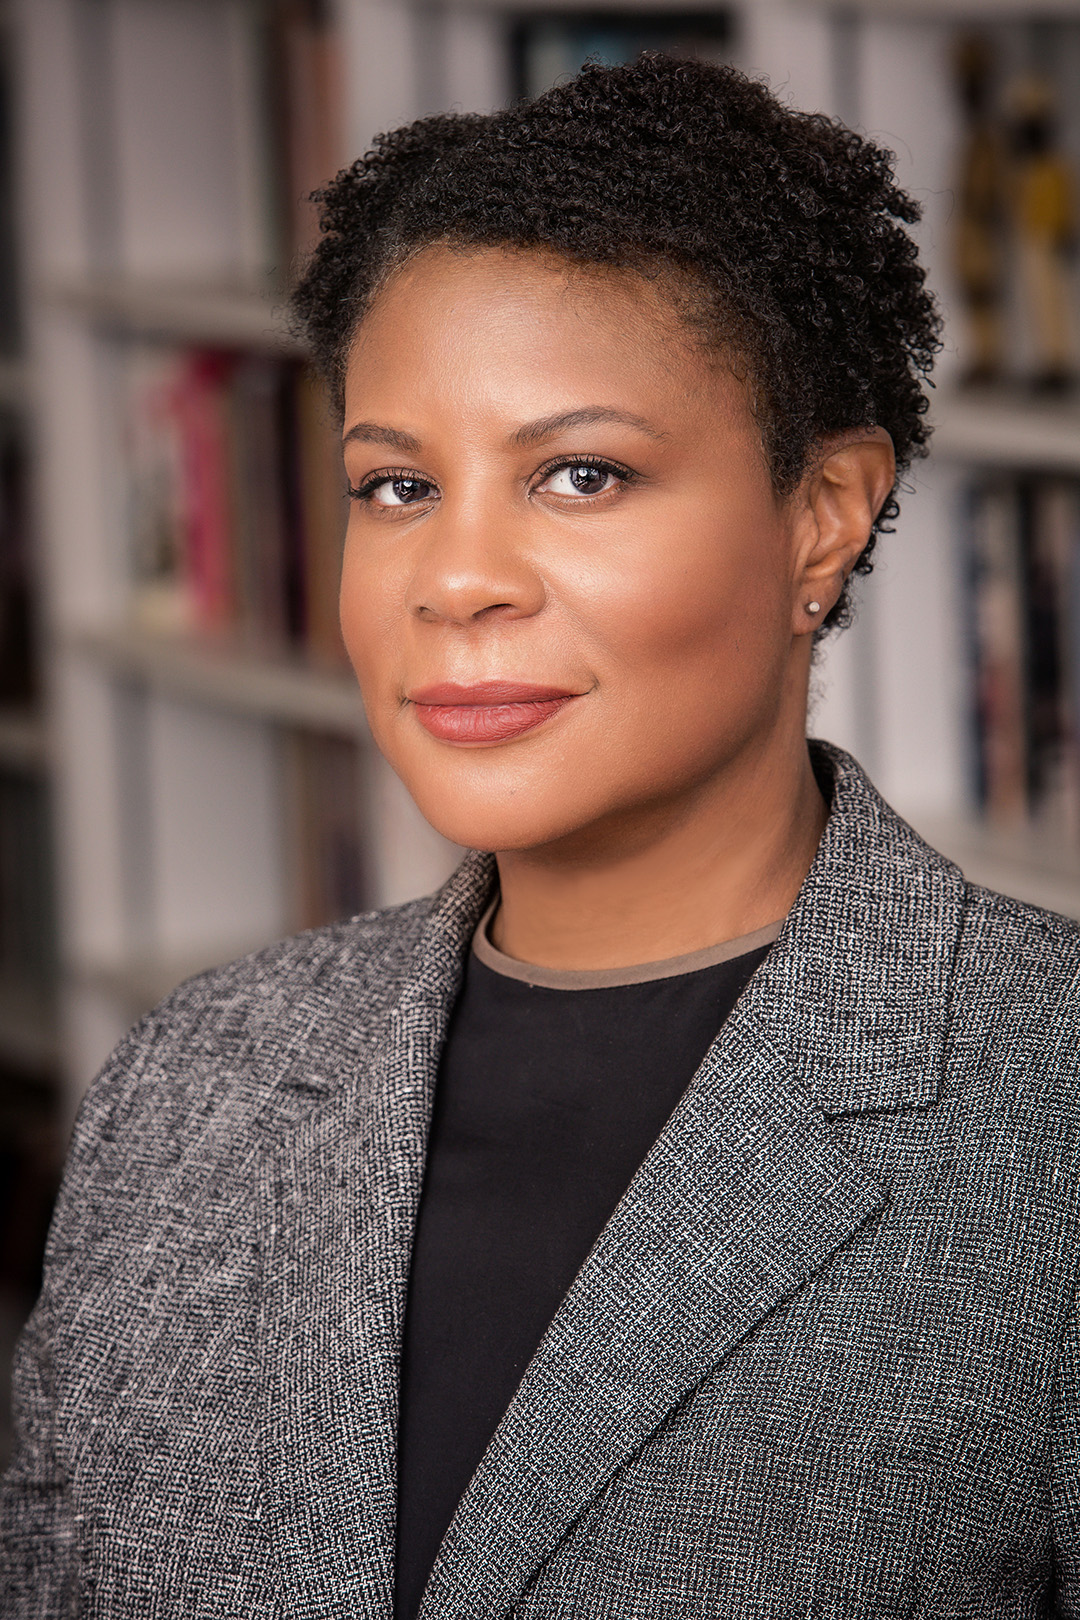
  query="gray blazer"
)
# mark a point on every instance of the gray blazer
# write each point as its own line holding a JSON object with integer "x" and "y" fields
{"x": 823, "y": 1360}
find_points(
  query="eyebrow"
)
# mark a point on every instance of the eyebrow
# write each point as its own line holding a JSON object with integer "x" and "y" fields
{"x": 375, "y": 433}
{"x": 546, "y": 427}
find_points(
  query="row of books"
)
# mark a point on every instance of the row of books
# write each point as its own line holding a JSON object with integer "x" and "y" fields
{"x": 1024, "y": 560}
{"x": 236, "y": 498}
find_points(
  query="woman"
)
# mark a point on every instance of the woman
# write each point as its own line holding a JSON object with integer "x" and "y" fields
{"x": 676, "y": 1215}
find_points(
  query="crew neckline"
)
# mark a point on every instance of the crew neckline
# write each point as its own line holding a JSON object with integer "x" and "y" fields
{"x": 671, "y": 967}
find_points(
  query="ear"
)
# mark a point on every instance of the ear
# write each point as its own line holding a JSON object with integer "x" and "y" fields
{"x": 837, "y": 504}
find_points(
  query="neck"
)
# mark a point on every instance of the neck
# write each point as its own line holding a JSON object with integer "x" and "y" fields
{"x": 672, "y": 879}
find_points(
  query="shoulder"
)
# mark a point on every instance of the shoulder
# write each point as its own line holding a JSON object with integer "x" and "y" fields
{"x": 1014, "y": 1014}
{"x": 250, "y": 1046}
{"x": 1018, "y": 955}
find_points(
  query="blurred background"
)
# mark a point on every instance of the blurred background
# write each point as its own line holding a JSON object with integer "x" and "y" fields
{"x": 184, "y": 770}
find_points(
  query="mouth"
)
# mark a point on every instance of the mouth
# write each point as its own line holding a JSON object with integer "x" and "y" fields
{"x": 490, "y": 712}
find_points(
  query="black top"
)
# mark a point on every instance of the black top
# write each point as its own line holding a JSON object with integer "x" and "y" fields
{"x": 547, "y": 1101}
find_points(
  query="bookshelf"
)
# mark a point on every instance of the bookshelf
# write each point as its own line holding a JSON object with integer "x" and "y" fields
{"x": 192, "y": 767}
{"x": 150, "y": 127}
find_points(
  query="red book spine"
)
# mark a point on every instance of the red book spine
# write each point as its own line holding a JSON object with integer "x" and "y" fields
{"x": 202, "y": 407}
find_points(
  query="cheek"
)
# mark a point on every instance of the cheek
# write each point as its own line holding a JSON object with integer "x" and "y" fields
{"x": 704, "y": 598}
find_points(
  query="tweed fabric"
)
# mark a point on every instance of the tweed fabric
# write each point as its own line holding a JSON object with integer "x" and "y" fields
{"x": 823, "y": 1360}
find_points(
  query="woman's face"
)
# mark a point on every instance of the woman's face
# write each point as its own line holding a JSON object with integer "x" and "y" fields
{"x": 569, "y": 590}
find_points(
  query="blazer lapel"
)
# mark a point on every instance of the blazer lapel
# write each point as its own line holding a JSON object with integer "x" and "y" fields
{"x": 744, "y": 1196}
{"x": 337, "y": 1205}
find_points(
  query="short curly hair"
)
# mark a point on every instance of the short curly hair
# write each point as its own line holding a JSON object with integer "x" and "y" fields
{"x": 788, "y": 224}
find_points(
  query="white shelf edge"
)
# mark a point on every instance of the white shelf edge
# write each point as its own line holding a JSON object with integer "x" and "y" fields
{"x": 236, "y": 316}
{"x": 1013, "y": 432}
{"x": 1020, "y": 864}
{"x": 24, "y": 742}
{"x": 288, "y": 692}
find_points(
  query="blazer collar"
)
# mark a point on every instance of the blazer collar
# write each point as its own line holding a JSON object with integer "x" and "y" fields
{"x": 745, "y": 1194}
{"x": 854, "y": 994}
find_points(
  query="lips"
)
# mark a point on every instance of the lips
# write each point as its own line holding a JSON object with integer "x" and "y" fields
{"x": 490, "y": 712}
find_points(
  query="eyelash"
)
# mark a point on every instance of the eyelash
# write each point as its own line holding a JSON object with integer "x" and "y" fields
{"x": 386, "y": 475}
{"x": 602, "y": 463}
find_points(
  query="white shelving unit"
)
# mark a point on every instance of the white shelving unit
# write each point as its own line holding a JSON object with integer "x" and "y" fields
{"x": 143, "y": 137}
{"x": 141, "y": 124}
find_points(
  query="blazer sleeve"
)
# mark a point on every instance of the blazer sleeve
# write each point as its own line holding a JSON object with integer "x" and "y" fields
{"x": 1065, "y": 1471}
{"x": 37, "y": 1564}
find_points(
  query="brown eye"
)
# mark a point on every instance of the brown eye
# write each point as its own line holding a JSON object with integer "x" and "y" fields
{"x": 399, "y": 491}
{"x": 581, "y": 478}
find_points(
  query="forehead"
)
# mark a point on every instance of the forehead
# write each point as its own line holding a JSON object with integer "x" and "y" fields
{"x": 490, "y": 320}
{"x": 449, "y": 275}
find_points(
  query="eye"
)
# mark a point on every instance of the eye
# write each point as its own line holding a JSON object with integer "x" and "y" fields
{"x": 576, "y": 478}
{"x": 394, "y": 489}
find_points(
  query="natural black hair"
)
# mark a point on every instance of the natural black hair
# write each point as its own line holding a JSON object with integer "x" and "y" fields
{"x": 789, "y": 225}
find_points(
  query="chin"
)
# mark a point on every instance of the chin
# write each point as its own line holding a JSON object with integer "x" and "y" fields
{"x": 497, "y": 820}
{"x": 491, "y": 826}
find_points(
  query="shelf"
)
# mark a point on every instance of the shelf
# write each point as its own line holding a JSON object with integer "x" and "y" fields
{"x": 29, "y": 1036}
{"x": 999, "y": 428}
{"x": 286, "y": 691}
{"x": 241, "y": 317}
{"x": 24, "y": 742}
{"x": 1022, "y": 864}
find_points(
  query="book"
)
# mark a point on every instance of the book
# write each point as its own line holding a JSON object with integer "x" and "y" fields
{"x": 307, "y": 97}
{"x": 152, "y": 456}
{"x": 323, "y": 516}
{"x": 330, "y": 879}
{"x": 1053, "y": 640}
{"x": 1024, "y": 573}
{"x": 999, "y": 653}
{"x": 236, "y": 506}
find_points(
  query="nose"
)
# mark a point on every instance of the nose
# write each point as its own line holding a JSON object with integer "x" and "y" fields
{"x": 474, "y": 566}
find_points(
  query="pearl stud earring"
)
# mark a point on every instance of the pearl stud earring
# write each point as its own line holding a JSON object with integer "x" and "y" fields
{"x": 813, "y": 607}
